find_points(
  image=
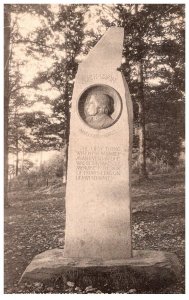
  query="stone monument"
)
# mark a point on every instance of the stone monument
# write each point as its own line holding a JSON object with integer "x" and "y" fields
{"x": 98, "y": 184}
{"x": 98, "y": 198}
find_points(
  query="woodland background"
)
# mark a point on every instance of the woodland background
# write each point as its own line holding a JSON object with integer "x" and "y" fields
{"x": 43, "y": 46}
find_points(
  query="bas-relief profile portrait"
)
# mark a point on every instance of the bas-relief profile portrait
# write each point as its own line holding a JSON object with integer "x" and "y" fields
{"x": 100, "y": 106}
{"x": 98, "y": 109}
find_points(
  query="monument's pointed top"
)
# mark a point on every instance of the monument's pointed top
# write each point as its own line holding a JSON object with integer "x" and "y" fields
{"x": 108, "y": 51}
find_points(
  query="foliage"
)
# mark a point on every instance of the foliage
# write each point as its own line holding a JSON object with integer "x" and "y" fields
{"x": 69, "y": 22}
{"x": 154, "y": 35}
{"x": 54, "y": 167}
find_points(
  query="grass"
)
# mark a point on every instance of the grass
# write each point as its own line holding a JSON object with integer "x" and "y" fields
{"x": 36, "y": 219}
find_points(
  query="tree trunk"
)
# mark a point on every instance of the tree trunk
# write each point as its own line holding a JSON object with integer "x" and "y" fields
{"x": 67, "y": 114}
{"x": 141, "y": 122}
{"x": 17, "y": 158}
{"x": 6, "y": 96}
{"x": 141, "y": 105}
{"x": 41, "y": 160}
{"x": 65, "y": 167}
{"x": 22, "y": 167}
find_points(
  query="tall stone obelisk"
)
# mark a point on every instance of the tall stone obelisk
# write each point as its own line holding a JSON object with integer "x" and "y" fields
{"x": 98, "y": 197}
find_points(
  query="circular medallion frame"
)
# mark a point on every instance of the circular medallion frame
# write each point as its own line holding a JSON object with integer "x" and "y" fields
{"x": 99, "y": 106}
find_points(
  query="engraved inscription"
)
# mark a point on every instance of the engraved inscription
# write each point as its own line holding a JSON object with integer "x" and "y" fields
{"x": 95, "y": 134}
{"x": 90, "y": 77}
{"x": 98, "y": 163}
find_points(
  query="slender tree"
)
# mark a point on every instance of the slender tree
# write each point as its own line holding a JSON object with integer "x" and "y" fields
{"x": 7, "y": 33}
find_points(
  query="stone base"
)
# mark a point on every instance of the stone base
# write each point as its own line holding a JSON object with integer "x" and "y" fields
{"x": 146, "y": 269}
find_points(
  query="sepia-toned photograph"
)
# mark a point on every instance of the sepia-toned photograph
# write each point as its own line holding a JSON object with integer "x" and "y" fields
{"x": 94, "y": 148}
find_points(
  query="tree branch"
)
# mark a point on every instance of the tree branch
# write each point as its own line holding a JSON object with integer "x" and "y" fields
{"x": 19, "y": 88}
{"x": 34, "y": 42}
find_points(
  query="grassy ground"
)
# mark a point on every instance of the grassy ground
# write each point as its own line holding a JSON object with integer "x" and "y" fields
{"x": 35, "y": 222}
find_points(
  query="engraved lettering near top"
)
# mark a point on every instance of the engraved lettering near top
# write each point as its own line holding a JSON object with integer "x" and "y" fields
{"x": 92, "y": 77}
{"x": 99, "y": 154}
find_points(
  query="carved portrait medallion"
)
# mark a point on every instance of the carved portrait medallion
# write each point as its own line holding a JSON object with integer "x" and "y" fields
{"x": 100, "y": 106}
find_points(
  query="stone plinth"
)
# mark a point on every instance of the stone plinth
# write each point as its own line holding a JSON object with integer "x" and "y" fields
{"x": 147, "y": 269}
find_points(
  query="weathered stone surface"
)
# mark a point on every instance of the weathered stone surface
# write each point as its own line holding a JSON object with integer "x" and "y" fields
{"x": 98, "y": 178}
{"x": 145, "y": 269}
